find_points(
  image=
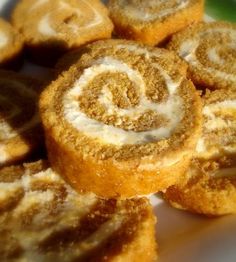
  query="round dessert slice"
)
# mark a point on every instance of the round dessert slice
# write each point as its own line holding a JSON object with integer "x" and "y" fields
{"x": 122, "y": 119}
{"x": 210, "y": 183}
{"x": 210, "y": 51}
{"x": 11, "y": 45}
{"x": 52, "y": 27}
{"x": 20, "y": 130}
{"x": 43, "y": 217}
{"x": 153, "y": 21}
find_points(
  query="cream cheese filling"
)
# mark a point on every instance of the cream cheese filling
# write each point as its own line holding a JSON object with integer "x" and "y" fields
{"x": 45, "y": 27}
{"x": 3, "y": 154}
{"x": 187, "y": 50}
{"x": 172, "y": 108}
{"x": 142, "y": 14}
{"x": 69, "y": 213}
{"x": 213, "y": 123}
{"x": 31, "y": 235}
{"x": 3, "y": 39}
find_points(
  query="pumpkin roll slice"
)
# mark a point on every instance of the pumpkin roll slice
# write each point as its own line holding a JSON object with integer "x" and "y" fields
{"x": 210, "y": 183}
{"x": 123, "y": 121}
{"x": 52, "y": 27}
{"x": 11, "y": 45}
{"x": 20, "y": 131}
{"x": 153, "y": 21}
{"x": 210, "y": 51}
{"x": 42, "y": 217}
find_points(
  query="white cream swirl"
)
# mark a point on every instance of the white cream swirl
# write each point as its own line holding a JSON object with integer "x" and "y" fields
{"x": 3, "y": 39}
{"x": 46, "y": 28}
{"x": 215, "y": 121}
{"x": 3, "y": 154}
{"x": 152, "y": 9}
{"x": 211, "y": 43}
{"x": 51, "y": 191}
{"x": 172, "y": 108}
{"x": 41, "y": 192}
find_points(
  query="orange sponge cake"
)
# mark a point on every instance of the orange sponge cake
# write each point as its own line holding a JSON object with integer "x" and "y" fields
{"x": 210, "y": 183}
{"x": 152, "y": 21}
{"x": 209, "y": 50}
{"x": 44, "y": 219}
{"x": 122, "y": 120}
{"x": 11, "y": 45}
{"x": 51, "y": 27}
{"x": 20, "y": 130}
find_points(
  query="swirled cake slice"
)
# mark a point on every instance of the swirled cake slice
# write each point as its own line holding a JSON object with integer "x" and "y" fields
{"x": 52, "y": 27}
{"x": 209, "y": 186}
{"x": 124, "y": 116}
{"x": 209, "y": 50}
{"x": 44, "y": 219}
{"x": 152, "y": 21}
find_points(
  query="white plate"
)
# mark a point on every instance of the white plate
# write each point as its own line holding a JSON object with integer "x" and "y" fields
{"x": 181, "y": 236}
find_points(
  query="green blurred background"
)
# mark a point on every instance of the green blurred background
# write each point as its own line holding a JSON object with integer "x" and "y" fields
{"x": 221, "y": 9}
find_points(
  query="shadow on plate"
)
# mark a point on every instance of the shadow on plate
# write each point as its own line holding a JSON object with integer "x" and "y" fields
{"x": 185, "y": 237}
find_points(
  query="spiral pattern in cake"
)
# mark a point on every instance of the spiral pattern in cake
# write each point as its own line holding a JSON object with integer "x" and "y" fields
{"x": 210, "y": 183}
{"x": 219, "y": 130}
{"x": 126, "y": 101}
{"x": 153, "y": 21}
{"x": 72, "y": 22}
{"x": 42, "y": 217}
{"x": 19, "y": 117}
{"x": 210, "y": 51}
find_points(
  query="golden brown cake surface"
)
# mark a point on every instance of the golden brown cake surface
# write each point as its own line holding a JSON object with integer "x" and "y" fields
{"x": 151, "y": 21}
{"x": 209, "y": 50}
{"x": 210, "y": 183}
{"x": 124, "y": 114}
{"x": 11, "y": 44}
{"x": 44, "y": 219}
{"x": 20, "y": 130}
